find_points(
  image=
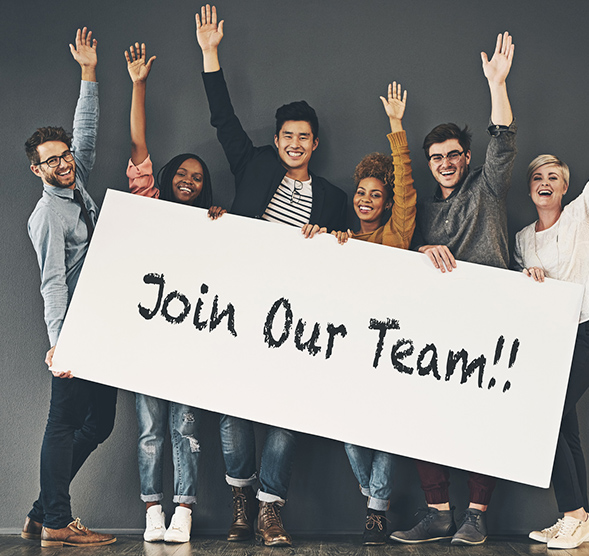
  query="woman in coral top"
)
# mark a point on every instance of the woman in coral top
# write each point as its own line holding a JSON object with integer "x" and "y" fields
{"x": 374, "y": 178}
{"x": 184, "y": 179}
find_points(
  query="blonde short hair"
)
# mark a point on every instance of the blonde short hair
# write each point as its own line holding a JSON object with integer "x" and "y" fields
{"x": 544, "y": 159}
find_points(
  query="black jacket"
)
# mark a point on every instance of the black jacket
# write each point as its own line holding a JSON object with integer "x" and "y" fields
{"x": 258, "y": 171}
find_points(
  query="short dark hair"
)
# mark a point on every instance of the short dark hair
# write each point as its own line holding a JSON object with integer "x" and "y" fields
{"x": 379, "y": 166}
{"x": 298, "y": 111}
{"x": 167, "y": 173}
{"x": 42, "y": 135}
{"x": 443, "y": 132}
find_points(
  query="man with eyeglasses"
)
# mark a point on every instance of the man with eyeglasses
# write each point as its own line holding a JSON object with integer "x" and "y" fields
{"x": 273, "y": 184}
{"x": 466, "y": 219}
{"x": 81, "y": 413}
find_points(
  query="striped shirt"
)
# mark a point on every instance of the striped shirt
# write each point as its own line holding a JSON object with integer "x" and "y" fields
{"x": 291, "y": 203}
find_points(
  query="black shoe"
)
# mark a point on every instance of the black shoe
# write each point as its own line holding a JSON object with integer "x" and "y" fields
{"x": 375, "y": 530}
{"x": 245, "y": 510}
{"x": 436, "y": 525}
{"x": 473, "y": 529}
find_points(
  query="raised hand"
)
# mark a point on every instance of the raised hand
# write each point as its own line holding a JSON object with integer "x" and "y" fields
{"x": 394, "y": 105}
{"x": 84, "y": 52}
{"x": 136, "y": 66}
{"x": 497, "y": 68}
{"x": 208, "y": 32}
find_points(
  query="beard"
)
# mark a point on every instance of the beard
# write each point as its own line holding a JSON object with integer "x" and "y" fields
{"x": 51, "y": 178}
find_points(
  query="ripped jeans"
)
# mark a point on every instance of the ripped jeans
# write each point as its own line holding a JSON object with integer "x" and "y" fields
{"x": 154, "y": 416}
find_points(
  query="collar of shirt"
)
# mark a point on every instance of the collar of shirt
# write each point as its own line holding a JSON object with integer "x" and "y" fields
{"x": 438, "y": 194}
{"x": 58, "y": 191}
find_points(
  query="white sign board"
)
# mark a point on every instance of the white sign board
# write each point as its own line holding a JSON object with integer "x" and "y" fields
{"x": 468, "y": 369}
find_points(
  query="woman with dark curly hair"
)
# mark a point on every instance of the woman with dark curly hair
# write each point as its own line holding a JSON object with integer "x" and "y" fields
{"x": 184, "y": 179}
{"x": 373, "y": 201}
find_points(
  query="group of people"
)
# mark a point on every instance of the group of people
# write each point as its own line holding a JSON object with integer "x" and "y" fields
{"x": 464, "y": 220}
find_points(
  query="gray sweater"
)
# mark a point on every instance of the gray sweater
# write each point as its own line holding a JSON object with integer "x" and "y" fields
{"x": 472, "y": 221}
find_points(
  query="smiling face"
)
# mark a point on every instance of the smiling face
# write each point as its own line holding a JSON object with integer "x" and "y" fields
{"x": 449, "y": 174}
{"x": 295, "y": 144}
{"x": 64, "y": 175}
{"x": 370, "y": 201}
{"x": 547, "y": 186}
{"x": 188, "y": 181}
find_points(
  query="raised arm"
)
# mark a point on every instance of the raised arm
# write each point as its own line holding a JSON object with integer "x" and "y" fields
{"x": 394, "y": 106}
{"x": 496, "y": 71}
{"x": 84, "y": 52}
{"x": 209, "y": 35}
{"x": 138, "y": 70}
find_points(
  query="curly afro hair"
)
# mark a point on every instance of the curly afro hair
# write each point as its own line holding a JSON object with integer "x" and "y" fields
{"x": 379, "y": 166}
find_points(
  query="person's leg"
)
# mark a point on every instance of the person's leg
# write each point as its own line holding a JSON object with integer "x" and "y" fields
{"x": 184, "y": 431}
{"x": 275, "y": 473}
{"x": 438, "y": 522}
{"x": 68, "y": 407}
{"x": 373, "y": 470}
{"x": 152, "y": 420}
{"x": 97, "y": 426}
{"x": 238, "y": 443}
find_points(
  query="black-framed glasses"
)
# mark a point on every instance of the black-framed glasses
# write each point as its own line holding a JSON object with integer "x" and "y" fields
{"x": 296, "y": 195}
{"x": 55, "y": 161}
{"x": 452, "y": 156}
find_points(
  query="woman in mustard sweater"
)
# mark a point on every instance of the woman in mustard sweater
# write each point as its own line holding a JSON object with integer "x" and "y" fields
{"x": 374, "y": 178}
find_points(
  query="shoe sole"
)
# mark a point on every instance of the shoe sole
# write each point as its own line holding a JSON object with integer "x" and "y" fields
{"x": 30, "y": 536}
{"x": 465, "y": 542}
{"x": 419, "y": 541}
{"x": 50, "y": 544}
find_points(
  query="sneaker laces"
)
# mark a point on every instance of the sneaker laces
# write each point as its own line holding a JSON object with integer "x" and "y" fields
{"x": 553, "y": 529}
{"x": 568, "y": 526}
{"x": 375, "y": 520}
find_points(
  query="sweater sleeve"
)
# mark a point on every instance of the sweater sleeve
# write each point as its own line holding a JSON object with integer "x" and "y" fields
{"x": 141, "y": 181}
{"x": 398, "y": 231}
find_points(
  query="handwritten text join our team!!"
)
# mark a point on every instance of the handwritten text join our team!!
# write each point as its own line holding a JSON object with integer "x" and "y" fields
{"x": 277, "y": 330}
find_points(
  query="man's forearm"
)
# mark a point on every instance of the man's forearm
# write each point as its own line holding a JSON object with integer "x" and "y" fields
{"x": 501, "y": 113}
{"x": 210, "y": 60}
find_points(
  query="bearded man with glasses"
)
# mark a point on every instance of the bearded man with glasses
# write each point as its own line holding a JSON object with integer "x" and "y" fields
{"x": 466, "y": 219}
{"x": 81, "y": 413}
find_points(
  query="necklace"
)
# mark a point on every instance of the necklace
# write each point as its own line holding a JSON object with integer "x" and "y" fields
{"x": 557, "y": 249}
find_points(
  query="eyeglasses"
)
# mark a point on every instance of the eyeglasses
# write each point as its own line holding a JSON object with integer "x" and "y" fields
{"x": 55, "y": 161}
{"x": 452, "y": 156}
{"x": 296, "y": 196}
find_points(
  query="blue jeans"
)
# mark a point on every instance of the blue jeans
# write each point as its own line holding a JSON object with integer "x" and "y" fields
{"x": 374, "y": 472}
{"x": 239, "y": 450}
{"x": 81, "y": 416}
{"x": 154, "y": 416}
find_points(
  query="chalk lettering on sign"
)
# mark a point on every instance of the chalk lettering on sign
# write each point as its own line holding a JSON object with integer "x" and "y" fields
{"x": 427, "y": 362}
{"x": 272, "y": 327}
{"x": 176, "y": 307}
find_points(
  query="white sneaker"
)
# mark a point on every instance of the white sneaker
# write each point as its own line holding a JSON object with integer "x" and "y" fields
{"x": 572, "y": 533}
{"x": 546, "y": 534}
{"x": 179, "y": 529}
{"x": 155, "y": 524}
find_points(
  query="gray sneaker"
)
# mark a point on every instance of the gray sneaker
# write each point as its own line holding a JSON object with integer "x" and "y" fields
{"x": 436, "y": 525}
{"x": 473, "y": 529}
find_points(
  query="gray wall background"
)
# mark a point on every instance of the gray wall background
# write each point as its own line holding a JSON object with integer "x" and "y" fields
{"x": 337, "y": 54}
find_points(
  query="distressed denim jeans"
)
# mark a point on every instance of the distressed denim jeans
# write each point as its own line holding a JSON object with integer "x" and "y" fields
{"x": 374, "y": 471}
{"x": 239, "y": 450}
{"x": 154, "y": 416}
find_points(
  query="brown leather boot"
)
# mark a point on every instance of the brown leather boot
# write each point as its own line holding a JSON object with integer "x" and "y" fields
{"x": 270, "y": 525}
{"x": 75, "y": 534}
{"x": 31, "y": 530}
{"x": 245, "y": 509}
